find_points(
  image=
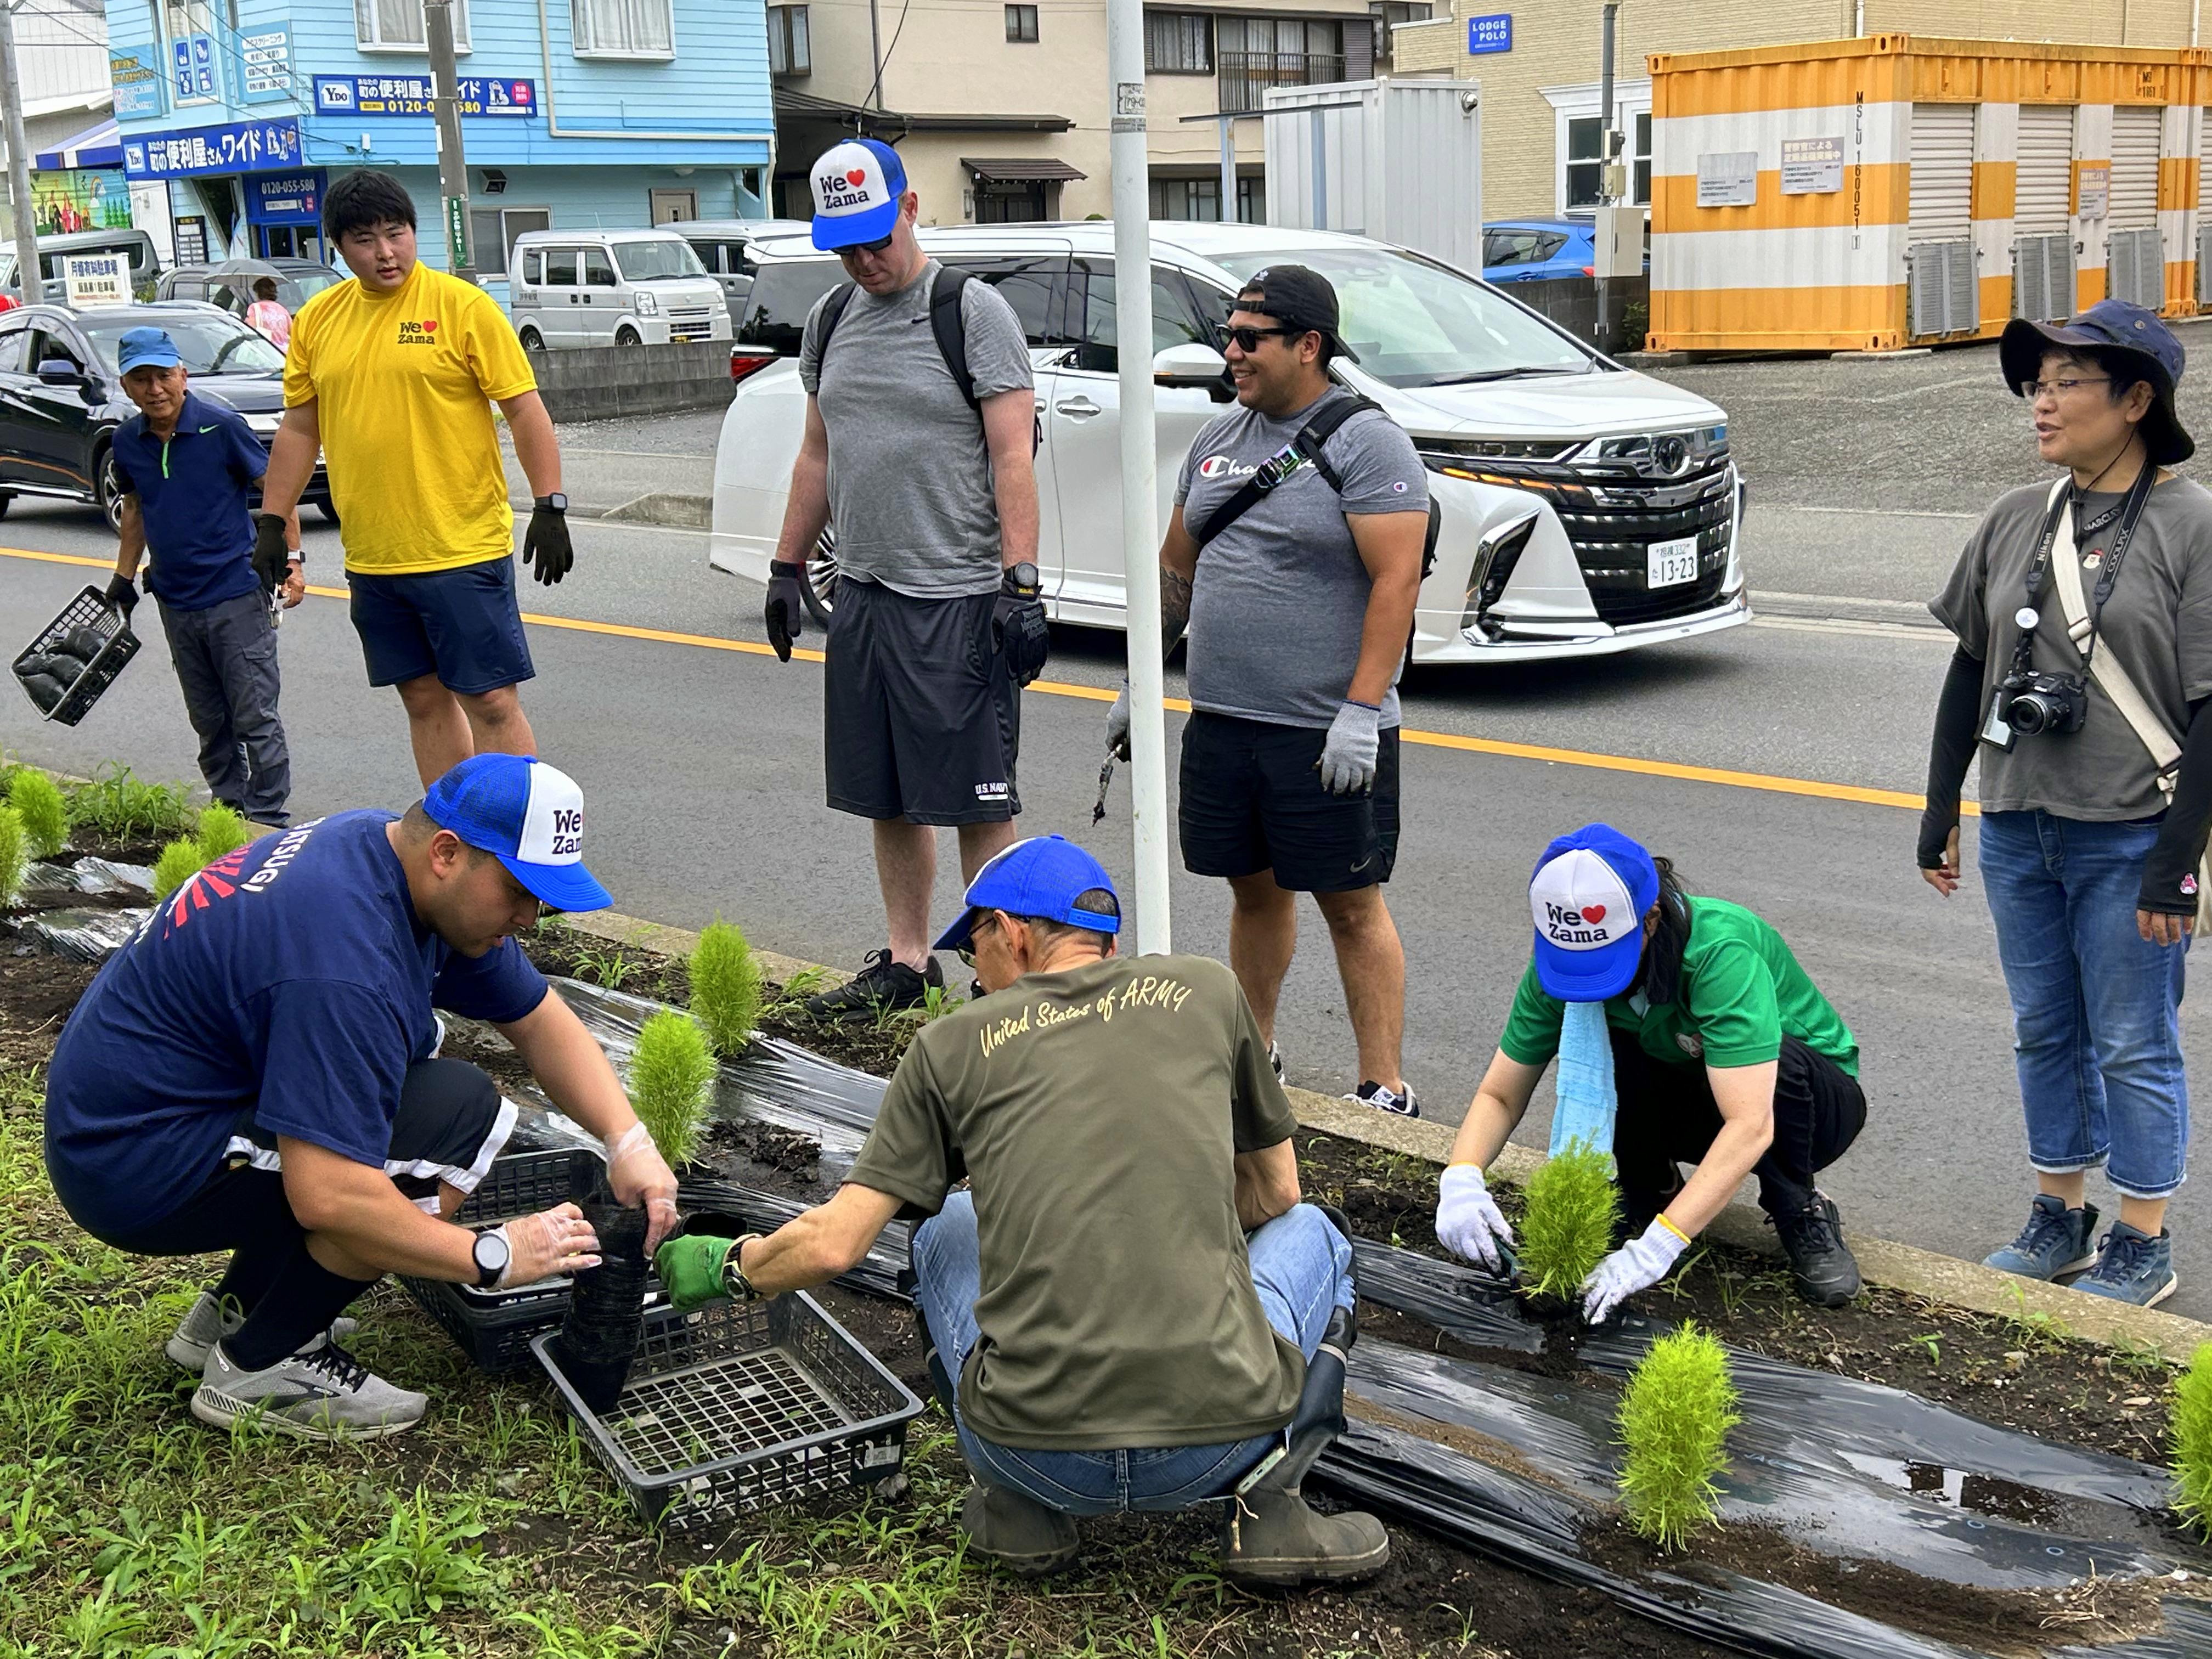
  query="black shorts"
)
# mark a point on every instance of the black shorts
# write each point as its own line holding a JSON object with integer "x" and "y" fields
{"x": 463, "y": 625}
{"x": 1252, "y": 801}
{"x": 921, "y": 721}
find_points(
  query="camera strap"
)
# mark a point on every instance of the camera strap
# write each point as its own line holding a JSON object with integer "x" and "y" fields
{"x": 2059, "y": 549}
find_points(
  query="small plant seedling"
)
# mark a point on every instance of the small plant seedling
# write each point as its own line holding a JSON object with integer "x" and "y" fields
{"x": 1931, "y": 1344}
{"x": 669, "y": 1077}
{"x": 180, "y": 860}
{"x": 1674, "y": 1418}
{"x": 37, "y": 802}
{"x": 122, "y": 808}
{"x": 2034, "y": 1329}
{"x": 1573, "y": 1207}
{"x": 726, "y": 987}
{"x": 608, "y": 967}
{"x": 15, "y": 855}
{"x": 222, "y": 830}
{"x": 2192, "y": 1441}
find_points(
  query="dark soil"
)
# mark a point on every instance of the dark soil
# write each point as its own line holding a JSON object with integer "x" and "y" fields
{"x": 37, "y": 991}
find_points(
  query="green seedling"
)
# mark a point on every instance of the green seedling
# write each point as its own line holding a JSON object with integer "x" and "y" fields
{"x": 608, "y": 967}
{"x": 1674, "y": 1418}
{"x": 669, "y": 1079}
{"x": 122, "y": 808}
{"x": 726, "y": 987}
{"x": 1931, "y": 1344}
{"x": 38, "y": 801}
{"x": 15, "y": 855}
{"x": 222, "y": 830}
{"x": 2192, "y": 1441}
{"x": 1573, "y": 1207}
{"x": 180, "y": 860}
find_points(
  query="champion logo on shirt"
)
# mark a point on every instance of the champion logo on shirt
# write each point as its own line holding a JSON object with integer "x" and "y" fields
{"x": 423, "y": 333}
{"x": 1221, "y": 466}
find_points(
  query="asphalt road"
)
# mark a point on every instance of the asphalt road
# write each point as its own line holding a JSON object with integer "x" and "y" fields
{"x": 703, "y": 767}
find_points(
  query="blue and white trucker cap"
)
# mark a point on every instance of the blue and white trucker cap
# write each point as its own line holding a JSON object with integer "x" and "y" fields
{"x": 527, "y": 815}
{"x": 1043, "y": 876}
{"x": 857, "y": 188}
{"x": 1589, "y": 896}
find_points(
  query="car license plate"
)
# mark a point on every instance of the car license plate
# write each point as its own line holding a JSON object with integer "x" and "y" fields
{"x": 1672, "y": 563}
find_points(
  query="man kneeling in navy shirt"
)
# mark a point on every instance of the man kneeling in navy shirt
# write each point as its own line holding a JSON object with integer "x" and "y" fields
{"x": 255, "y": 1072}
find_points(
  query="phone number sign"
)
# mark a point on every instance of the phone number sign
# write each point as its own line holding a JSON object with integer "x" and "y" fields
{"x": 416, "y": 95}
{"x": 242, "y": 147}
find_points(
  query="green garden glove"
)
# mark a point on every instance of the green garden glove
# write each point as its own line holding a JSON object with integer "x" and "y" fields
{"x": 690, "y": 1270}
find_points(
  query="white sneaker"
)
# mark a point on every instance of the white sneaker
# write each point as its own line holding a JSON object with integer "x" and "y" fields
{"x": 1371, "y": 1093}
{"x": 209, "y": 1322}
{"x": 321, "y": 1393}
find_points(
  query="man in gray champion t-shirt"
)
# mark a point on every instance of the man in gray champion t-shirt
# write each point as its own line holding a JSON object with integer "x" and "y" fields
{"x": 1299, "y": 613}
{"x": 939, "y": 620}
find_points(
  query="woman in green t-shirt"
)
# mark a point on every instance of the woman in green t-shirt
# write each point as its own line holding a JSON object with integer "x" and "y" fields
{"x": 1724, "y": 1054}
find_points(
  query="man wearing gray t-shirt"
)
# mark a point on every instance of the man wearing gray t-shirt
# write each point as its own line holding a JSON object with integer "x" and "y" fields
{"x": 1299, "y": 609}
{"x": 917, "y": 449}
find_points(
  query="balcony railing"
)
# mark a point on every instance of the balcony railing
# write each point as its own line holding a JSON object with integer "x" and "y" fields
{"x": 1246, "y": 76}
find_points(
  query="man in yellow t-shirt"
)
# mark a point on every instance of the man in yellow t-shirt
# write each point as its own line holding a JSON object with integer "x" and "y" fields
{"x": 393, "y": 375}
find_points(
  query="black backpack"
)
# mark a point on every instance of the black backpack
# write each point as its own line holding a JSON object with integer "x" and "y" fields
{"x": 947, "y": 322}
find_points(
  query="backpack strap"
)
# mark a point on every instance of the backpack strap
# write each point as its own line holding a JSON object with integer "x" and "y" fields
{"x": 1306, "y": 447}
{"x": 949, "y": 323}
{"x": 832, "y": 309}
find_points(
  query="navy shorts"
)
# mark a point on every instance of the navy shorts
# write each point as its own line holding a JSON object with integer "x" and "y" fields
{"x": 1252, "y": 802}
{"x": 462, "y": 625}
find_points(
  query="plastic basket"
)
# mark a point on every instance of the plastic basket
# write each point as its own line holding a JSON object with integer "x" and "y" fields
{"x": 89, "y": 609}
{"x": 738, "y": 1406}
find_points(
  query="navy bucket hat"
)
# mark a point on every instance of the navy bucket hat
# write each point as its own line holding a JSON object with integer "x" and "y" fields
{"x": 2110, "y": 326}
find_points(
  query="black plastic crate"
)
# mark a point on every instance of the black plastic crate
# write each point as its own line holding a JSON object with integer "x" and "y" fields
{"x": 89, "y": 609}
{"x": 738, "y": 1406}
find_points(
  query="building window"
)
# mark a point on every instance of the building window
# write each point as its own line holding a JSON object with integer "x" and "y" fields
{"x": 1178, "y": 43}
{"x": 622, "y": 28}
{"x": 1200, "y": 200}
{"x": 1386, "y": 12}
{"x": 492, "y": 232}
{"x": 1584, "y": 162}
{"x": 787, "y": 52}
{"x": 397, "y": 24}
{"x": 1260, "y": 52}
{"x": 1021, "y": 22}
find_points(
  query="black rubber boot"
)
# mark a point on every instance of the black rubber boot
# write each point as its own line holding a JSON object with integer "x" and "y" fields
{"x": 1821, "y": 1265}
{"x": 1016, "y": 1531}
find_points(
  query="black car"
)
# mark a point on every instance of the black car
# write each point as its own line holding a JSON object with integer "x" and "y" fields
{"x": 61, "y": 397}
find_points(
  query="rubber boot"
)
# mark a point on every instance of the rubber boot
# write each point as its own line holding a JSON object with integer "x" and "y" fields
{"x": 1271, "y": 1537}
{"x": 1020, "y": 1534}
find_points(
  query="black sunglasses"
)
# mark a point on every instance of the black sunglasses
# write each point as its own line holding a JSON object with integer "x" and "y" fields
{"x": 875, "y": 246}
{"x": 1247, "y": 339}
{"x": 967, "y": 953}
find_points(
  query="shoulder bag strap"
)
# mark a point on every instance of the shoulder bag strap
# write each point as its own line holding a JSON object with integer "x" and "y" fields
{"x": 1307, "y": 443}
{"x": 948, "y": 321}
{"x": 833, "y": 308}
{"x": 2104, "y": 667}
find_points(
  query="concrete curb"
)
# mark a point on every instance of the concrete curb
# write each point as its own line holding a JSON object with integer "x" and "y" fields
{"x": 668, "y": 508}
{"x": 1966, "y": 1285}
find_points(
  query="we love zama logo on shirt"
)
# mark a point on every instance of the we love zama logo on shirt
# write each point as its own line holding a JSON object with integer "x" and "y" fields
{"x": 422, "y": 333}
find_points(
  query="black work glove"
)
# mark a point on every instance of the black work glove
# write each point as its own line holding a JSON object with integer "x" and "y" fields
{"x": 545, "y": 547}
{"x": 122, "y": 594}
{"x": 270, "y": 557}
{"x": 787, "y": 606}
{"x": 1017, "y": 625}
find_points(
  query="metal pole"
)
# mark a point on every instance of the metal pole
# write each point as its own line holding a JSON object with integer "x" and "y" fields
{"x": 1228, "y": 171}
{"x": 875, "y": 52}
{"x": 1605, "y": 160}
{"x": 452, "y": 163}
{"x": 19, "y": 168}
{"x": 1141, "y": 542}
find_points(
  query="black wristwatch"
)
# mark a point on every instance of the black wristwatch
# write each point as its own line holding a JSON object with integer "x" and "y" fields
{"x": 492, "y": 1256}
{"x": 557, "y": 502}
{"x": 1021, "y": 581}
{"x": 740, "y": 1288}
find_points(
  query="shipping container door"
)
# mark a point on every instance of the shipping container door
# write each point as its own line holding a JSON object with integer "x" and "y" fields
{"x": 2135, "y": 256}
{"x": 1939, "y": 228}
{"x": 2204, "y": 220}
{"x": 2043, "y": 237}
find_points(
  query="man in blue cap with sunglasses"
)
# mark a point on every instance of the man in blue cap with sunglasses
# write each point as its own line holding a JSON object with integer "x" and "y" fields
{"x": 1130, "y": 1308}
{"x": 256, "y": 1072}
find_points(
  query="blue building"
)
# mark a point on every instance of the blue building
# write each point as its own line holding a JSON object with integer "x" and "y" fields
{"x": 576, "y": 113}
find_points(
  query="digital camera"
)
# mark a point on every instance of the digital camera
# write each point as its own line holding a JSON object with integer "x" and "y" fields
{"x": 2036, "y": 704}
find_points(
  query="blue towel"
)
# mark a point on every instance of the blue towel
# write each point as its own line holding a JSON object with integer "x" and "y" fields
{"x": 1587, "y": 1103}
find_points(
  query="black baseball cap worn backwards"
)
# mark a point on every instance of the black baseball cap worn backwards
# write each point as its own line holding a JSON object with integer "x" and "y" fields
{"x": 2110, "y": 326}
{"x": 1299, "y": 297}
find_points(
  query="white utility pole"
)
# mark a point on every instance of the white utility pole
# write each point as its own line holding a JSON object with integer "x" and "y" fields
{"x": 19, "y": 168}
{"x": 1140, "y": 537}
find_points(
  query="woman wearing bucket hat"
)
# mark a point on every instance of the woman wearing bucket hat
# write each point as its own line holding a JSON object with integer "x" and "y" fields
{"x": 2083, "y": 612}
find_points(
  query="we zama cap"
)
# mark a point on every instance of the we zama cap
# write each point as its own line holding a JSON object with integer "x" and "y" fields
{"x": 145, "y": 347}
{"x": 857, "y": 186}
{"x": 1589, "y": 897}
{"x": 527, "y": 815}
{"x": 1043, "y": 877}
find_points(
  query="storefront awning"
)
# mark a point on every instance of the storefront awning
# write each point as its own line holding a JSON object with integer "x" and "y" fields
{"x": 100, "y": 146}
{"x": 1020, "y": 169}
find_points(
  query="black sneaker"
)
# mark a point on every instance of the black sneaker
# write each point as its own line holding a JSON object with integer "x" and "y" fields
{"x": 1820, "y": 1264}
{"x": 1371, "y": 1093}
{"x": 881, "y": 987}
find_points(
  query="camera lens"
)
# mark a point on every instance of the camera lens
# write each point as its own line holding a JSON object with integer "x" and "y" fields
{"x": 2028, "y": 714}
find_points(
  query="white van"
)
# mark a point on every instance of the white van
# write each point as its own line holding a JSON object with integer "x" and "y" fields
{"x": 597, "y": 288}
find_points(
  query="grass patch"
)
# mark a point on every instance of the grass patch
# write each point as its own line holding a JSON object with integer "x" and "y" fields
{"x": 1674, "y": 1418}
{"x": 2192, "y": 1441}
{"x": 15, "y": 855}
{"x": 1567, "y": 1228}
{"x": 123, "y": 807}
{"x": 670, "y": 1076}
{"x": 37, "y": 802}
{"x": 726, "y": 987}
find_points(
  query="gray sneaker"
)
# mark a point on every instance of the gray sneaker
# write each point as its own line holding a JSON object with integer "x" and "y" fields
{"x": 321, "y": 1393}
{"x": 2056, "y": 1240}
{"x": 210, "y": 1321}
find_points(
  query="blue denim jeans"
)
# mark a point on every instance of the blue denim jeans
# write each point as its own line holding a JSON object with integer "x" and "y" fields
{"x": 1302, "y": 1268}
{"x": 2096, "y": 1008}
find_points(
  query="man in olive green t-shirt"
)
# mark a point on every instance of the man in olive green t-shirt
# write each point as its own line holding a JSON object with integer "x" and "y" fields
{"x": 1723, "y": 1055}
{"x": 1131, "y": 1294}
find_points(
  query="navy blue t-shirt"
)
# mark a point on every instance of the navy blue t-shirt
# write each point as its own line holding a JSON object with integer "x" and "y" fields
{"x": 288, "y": 984}
{"x": 192, "y": 490}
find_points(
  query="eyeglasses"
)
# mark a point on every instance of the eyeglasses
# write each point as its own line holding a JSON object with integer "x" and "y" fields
{"x": 967, "y": 953}
{"x": 1247, "y": 339}
{"x": 2031, "y": 390}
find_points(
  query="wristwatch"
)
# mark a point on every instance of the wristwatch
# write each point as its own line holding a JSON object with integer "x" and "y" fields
{"x": 556, "y": 501}
{"x": 492, "y": 1257}
{"x": 740, "y": 1288}
{"x": 1022, "y": 579}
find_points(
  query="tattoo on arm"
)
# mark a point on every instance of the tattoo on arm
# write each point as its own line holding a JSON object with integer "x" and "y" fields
{"x": 1175, "y": 608}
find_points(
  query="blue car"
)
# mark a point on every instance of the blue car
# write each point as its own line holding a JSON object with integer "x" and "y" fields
{"x": 1535, "y": 250}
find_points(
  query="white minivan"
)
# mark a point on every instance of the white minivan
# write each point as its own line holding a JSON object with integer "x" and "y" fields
{"x": 1587, "y": 508}
{"x": 596, "y": 287}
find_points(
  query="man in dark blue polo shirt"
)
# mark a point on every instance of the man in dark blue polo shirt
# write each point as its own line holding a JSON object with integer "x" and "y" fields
{"x": 187, "y": 465}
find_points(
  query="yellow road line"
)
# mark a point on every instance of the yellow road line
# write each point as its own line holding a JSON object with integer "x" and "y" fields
{"x": 1760, "y": 780}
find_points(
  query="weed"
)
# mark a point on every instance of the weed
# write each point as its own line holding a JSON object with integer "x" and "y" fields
{"x": 122, "y": 808}
{"x": 1930, "y": 1344}
{"x": 222, "y": 830}
{"x": 669, "y": 1077}
{"x": 2192, "y": 1441}
{"x": 2033, "y": 1330}
{"x": 1674, "y": 1418}
{"x": 609, "y": 968}
{"x": 179, "y": 861}
{"x": 15, "y": 855}
{"x": 726, "y": 987}
{"x": 38, "y": 801}
{"x": 796, "y": 989}
{"x": 1573, "y": 1207}
{"x": 2138, "y": 1358}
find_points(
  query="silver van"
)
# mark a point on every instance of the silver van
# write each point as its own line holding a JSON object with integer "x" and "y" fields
{"x": 134, "y": 245}
{"x": 596, "y": 287}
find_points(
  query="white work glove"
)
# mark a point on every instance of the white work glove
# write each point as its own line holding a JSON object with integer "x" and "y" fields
{"x": 1347, "y": 757}
{"x": 640, "y": 1175}
{"x": 1636, "y": 1266}
{"x": 1117, "y": 725}
{"x": 1470, "y": 1224}
{"x": 554, "y": 1241}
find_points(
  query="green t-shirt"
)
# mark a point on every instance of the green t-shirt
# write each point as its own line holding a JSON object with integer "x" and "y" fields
{"x": 1098, "y": 1113}
{"x": 1740, "y": 994}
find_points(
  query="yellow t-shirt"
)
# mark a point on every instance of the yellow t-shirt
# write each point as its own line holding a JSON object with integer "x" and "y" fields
{"x": 403, "y": 384}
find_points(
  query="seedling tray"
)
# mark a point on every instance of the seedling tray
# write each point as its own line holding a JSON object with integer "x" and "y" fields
{"x": 89, "y": 609}
{"x": 738, "y": 1406}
